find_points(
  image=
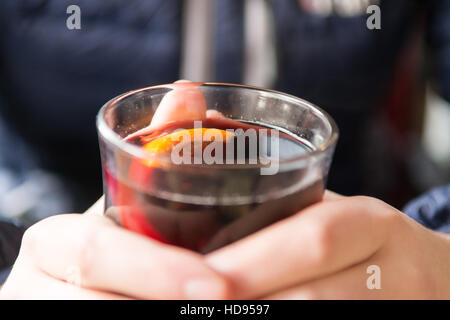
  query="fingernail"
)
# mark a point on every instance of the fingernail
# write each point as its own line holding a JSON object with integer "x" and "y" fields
{"x": 202, "y": 288}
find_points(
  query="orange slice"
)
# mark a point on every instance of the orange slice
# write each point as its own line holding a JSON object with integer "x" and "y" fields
{"x": 166, "y": 143}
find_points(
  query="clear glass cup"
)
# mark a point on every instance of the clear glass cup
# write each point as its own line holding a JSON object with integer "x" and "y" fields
{"x": 204, "y": 207}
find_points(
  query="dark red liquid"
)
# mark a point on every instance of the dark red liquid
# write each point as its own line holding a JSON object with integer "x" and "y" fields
{"x": 155, "y": 201}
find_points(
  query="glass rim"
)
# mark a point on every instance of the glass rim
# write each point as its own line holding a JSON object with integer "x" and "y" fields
{"x": 116, "y": 140}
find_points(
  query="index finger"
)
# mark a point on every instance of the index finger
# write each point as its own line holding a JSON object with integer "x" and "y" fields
{"x": 183, "y": 102}
{"x": 319, "y": 240}
{"x": 93, "y": 252}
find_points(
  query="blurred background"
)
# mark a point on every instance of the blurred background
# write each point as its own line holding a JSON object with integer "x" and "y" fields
{"x": 388, "y": 89}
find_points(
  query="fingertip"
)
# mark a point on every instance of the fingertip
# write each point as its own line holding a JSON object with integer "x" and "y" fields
{"x": 185, "y": 103}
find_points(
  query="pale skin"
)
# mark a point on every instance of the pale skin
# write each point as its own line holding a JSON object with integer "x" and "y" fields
{"x": 322, "y": 252}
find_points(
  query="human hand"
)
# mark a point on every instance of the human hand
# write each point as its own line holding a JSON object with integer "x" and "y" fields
{"x": 324, "y": 251}
{"x": 86, "y": 256}
{"x": 105, "y": 261}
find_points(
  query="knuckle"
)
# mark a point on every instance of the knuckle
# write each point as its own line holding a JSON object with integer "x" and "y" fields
{"x": 31, "y": 236}
{"x": 95, "y": 238}
{"x": 367, "y": 202}
{"x": 322, "y": 236}
{"x": 392, "y": 222}
{"x": 89, "y": 247}
{"x": 370, "y": 204}
{"x": 28, "y": 239}
{"x": 380, "y": 214}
